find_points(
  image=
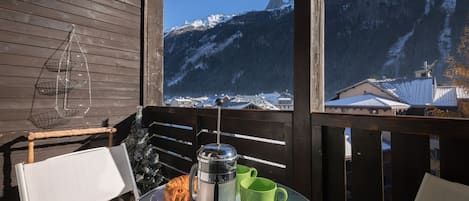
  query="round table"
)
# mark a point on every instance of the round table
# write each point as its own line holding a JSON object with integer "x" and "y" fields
{"x": 157, "y": 194}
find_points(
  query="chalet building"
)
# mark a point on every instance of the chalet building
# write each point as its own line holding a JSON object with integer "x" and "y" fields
{"x": 181, "y": 102}
{"x": 396, "y": 97}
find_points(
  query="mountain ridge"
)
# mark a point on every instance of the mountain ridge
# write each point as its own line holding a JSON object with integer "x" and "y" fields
{"x": 253, "y": 52}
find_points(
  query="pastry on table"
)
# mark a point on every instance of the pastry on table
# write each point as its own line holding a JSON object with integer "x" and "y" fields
{"x": 177, "y": 189}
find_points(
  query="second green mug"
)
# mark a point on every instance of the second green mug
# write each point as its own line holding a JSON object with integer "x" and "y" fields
{"x": 262, "y": 189}
{"x": 244, "y": 172}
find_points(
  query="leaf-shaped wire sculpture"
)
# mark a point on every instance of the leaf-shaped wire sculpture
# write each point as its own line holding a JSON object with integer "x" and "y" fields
{"x": 73, "y": 74}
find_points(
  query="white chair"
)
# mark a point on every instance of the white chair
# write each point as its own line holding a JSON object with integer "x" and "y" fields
{"x": 98, "y": 174}
{"x": 437, "y": 189}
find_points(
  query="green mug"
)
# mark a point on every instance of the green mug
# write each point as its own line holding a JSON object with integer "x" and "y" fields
{"x": 261, "y": 189}
{"x": 244, "y": 172}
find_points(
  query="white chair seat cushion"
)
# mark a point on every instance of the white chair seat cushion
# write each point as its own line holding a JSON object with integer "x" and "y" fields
{"x": 437, "y": 189}
{"x": 89, "y": 175}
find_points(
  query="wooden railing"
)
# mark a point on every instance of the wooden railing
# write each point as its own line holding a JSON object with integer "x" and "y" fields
{"x": 264, "y": 140}
{"x": 410, "y": 153}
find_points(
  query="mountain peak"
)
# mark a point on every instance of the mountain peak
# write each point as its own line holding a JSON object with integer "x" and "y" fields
{"x": 276, "y": 4}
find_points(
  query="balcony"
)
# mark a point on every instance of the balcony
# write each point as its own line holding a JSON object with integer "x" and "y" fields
{"x": 303, "y": 148}
{"x": 265, "y": 140}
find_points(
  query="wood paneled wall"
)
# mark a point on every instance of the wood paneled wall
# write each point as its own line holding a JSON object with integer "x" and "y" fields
{"x": 32, "y": 37}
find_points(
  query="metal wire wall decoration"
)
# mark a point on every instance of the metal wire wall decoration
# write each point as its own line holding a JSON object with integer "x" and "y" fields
{"x": 73, "y": 74}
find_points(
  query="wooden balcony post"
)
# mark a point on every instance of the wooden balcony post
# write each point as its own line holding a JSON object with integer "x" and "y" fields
{"x": 309, "y": 96}
{"x": 151, "y": 75}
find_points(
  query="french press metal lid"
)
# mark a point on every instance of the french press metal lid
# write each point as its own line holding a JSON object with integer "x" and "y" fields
{"x": 217, "y": 163}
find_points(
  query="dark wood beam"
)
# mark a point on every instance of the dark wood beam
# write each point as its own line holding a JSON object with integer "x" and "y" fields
{"x": 152, "y": 89}
{"x": 309, "y": 96}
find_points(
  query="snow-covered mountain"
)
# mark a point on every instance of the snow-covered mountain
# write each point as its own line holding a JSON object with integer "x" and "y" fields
{"x": 252, "y": 52}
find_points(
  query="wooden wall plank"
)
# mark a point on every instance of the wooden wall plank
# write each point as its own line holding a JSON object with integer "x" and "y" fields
{"x": 37, "y": 30}
{"x": 85, "y": 12}
{"x": 96, "y": 84}
{"x": 70, "y": 18}
{"x": 410, "y": 161}
{"x": 367, "y": 165}
{"x": 20, "y": 114}
{"x": 64, "y": 26}
{"x": 120, "y": 6}
{"x": 20, "y": 62}
{"x": 334, "y": 164}
{"x": 44, "y": 42}
{"x": 26, "y": 50}
{"x": 454, "y": 162}
{"x": 135, "y": 18}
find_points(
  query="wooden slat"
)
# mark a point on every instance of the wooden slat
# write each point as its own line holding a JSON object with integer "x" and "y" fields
{"x": 28, "y": 93}
{"x": 174, "y": 161}
{"x": 27, "y": 82}
{"x": 367, "y": 172}
{"x": 169, "y": 173}
{"x": 26, "y": 50}
{"x": 275, "y": 173}
{"x": 176, "y": 147}
{"x": 255, "y": 115}
{"x": 172, "y": 132}
{"x": 334, "y": 162}
{"x": 38, "y": 30}
{"x": 261, "y": 150}
{"x": 136, "y": 3}
{"x": 104, "y": 9}
{"x": 454, "y": 162}
{"x": 50, "y": 104}
{"x": 449, "y": 127}
{"x": 70, "y": 18}
{"x": 85, "y": 12}
{"x": 262, "y": 129}
{"x": 26, "y": 125}
{"x": 45, "y": 42}
{"x": 120, "y": 5}
{"x": 21, "y": 62}
{"x": 179, "y": 116}
{"x": 20, "y": 114}
{"x": 410, "y": 161}
{"x": 63, "y": 26}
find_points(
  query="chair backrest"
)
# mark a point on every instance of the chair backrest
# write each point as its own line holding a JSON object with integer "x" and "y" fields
{"x": 436, "y": 189}
{"x": 93, "y": 174}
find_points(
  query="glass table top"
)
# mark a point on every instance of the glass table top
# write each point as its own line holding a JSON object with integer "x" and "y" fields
{"x": 157, "y": 194}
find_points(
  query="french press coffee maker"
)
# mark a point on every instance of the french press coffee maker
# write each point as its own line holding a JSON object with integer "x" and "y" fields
{"x": 216, "y": 170}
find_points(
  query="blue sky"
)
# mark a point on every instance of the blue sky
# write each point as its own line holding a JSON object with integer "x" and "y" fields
{"x": 175, "y": 12}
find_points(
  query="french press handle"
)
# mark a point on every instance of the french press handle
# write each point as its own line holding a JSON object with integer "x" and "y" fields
{"x": 191, "y": 181}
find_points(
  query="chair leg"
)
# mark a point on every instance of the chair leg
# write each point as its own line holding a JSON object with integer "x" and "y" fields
{"x": 30, "y": 151}
{"x": 110, "y": 139}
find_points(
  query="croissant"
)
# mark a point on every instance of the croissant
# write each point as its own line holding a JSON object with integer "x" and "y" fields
{"x": 177, "y": 189}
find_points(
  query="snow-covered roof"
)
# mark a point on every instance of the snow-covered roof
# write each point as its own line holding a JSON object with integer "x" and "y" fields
{"x": 368, "y": 101}
{"x": 445, "y": 96}
{"x": 239, "y": 105}
{"x": 462, "y": 93}
{"x": 416, "y": 92}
